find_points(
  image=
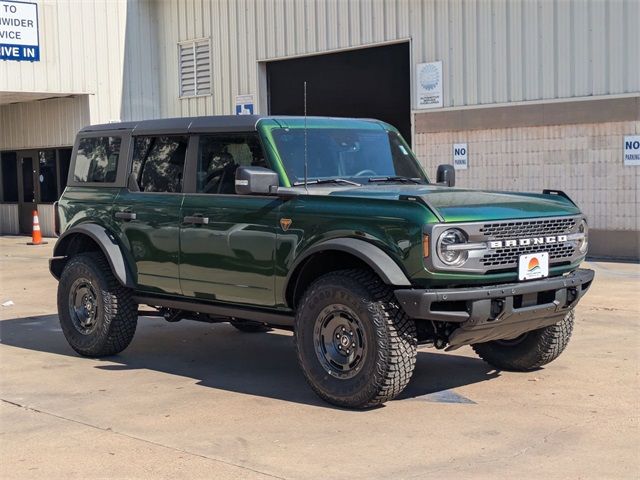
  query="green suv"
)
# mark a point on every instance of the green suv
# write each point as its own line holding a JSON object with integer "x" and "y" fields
{"x": 327, "y": 227}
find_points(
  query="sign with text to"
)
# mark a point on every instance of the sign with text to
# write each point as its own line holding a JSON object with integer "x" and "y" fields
{"x": 19, "y": 38}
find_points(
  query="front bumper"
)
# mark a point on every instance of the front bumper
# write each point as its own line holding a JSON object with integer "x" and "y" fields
{"x": 497, "y": 311}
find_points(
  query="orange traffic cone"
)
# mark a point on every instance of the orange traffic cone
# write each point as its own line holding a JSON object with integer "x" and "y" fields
{"x": 36, "y": 236}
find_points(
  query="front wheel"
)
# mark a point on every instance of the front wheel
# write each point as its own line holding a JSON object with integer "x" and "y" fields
{"x": 530, "y": 350}
{"x": 355, "y": 345}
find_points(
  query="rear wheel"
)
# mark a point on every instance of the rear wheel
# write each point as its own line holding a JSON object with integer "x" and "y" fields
{"x": 97, "y": 314}
{"x": 530, "y": 350}
{"x": 355, "y": 345}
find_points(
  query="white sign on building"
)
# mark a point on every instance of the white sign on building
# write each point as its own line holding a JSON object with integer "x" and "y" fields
{"x": 245, "y": 105}
{"x": 429, "y": 85}
{"x": 632, "y": 150}
{"x": 19, "y": 31}
{"x": 460, "y": 156}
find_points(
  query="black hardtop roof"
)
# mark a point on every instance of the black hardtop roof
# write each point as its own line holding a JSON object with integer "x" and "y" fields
{"x": 221, "y": 123}
{"x": 217, "y": 123}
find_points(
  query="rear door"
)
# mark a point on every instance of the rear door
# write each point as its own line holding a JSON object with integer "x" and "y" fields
{"x": 227, "y": 241}
{"x": 147, "y": 212}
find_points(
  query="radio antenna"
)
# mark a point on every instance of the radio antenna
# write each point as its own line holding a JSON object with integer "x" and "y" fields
{"x": 305, "y": 138}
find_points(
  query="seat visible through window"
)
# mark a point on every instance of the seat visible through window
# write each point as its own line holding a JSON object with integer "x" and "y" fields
{"x": 219, "y": 156}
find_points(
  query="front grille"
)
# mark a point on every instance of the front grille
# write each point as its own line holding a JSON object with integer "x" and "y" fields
{"x": 506, "y": 257}
{"x": 528, "y": 228}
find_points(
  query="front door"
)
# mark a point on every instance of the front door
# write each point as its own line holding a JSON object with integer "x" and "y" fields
{"x": 227, "y": 241}
{"x": 27, "y": 184}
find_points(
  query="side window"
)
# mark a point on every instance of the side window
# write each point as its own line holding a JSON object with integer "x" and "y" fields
{"x": 97, "y": 159}
{"x": 158, "y": 163}
{"x": 220, "y": 155}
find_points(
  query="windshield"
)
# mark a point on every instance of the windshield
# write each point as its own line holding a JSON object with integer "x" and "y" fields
{"x": 356, "y": 155}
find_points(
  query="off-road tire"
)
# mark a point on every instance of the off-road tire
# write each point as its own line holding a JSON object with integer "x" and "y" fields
{"x": 535, "y": 349}
{"x": 249, "y": 327}
{"x": 116, "y": 314}
{"x": 388, "y": 362}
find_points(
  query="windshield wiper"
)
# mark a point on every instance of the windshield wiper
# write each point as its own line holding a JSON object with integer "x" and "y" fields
{"x": 327, "y": 180}
{"x": 394, "y": 179}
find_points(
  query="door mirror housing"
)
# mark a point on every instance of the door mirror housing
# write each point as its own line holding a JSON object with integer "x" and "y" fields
{"x": 256, "y": 180}
{"x": 446, "y": 175}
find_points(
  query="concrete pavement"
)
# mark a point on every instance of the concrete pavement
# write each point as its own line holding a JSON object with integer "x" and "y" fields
{"x": 191, "y": 400}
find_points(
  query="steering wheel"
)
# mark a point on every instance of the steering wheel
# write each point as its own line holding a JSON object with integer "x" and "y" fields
{"x": 367, "y": 171}
{"x": 213, "y": 174}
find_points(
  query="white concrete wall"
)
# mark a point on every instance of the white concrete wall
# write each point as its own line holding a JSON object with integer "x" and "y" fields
{"x": 585, "y": 161}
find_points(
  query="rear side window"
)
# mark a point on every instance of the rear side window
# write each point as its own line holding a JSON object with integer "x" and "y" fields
{"x": 97, "y": 159}
{"x": 158, "y": 163}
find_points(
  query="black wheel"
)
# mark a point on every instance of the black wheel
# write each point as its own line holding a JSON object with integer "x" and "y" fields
{"x": 97, "y": 314}
{"x": 247, "y": 326}
{"x": 355, "y": 345}
{"x": 530, "y": 350}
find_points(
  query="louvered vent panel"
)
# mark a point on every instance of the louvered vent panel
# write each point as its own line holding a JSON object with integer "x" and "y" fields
{"x": 195, "y": 68}
{"x": 203, "y": 67}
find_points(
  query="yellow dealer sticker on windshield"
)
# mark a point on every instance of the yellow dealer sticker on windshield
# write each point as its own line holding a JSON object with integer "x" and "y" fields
{"x": 534, "y": 265}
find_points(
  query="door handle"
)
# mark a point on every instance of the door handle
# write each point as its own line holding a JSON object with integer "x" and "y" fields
{"x": 196, "y": 219}
{"x": 125, "y": 215}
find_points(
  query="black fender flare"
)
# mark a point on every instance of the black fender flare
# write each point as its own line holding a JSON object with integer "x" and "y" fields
{"x": 376, "y": 258}
{"x": 107, "y": 243}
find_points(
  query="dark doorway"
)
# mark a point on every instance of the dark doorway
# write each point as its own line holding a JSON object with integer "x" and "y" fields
{"x": 26, "y": 188}
{"x": 368, "y": 82}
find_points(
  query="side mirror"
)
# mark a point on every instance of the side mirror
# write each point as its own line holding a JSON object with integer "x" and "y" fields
{"x": 446, "y": 175}
{"x": 256, "y": 180}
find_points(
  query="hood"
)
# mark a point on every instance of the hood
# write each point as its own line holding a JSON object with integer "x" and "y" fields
{"x": 460, "y": 205}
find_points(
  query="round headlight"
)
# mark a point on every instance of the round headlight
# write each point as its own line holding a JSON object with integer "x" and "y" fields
{"x": 583, "y": 244}
{"x": 452, "y": 257}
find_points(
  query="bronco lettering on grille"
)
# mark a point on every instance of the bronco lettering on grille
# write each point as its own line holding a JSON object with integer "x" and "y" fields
{"x": 527, "y": 241}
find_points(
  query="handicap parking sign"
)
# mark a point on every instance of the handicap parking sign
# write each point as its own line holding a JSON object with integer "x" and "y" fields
{"x": 244, "y": 105}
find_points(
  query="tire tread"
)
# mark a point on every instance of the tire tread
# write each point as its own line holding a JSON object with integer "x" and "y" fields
{"x": 396, "y": 332}
{"x": 120, "y": 310}
{"x": 543, "y": 347}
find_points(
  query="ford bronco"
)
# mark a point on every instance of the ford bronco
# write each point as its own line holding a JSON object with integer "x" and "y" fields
{"x": 327, "y": 227}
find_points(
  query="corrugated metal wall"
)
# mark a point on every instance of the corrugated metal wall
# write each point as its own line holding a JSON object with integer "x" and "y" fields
{"x": 82, "y": 51}
{"x": 123, "y": 53}
{"x": 9, "y": 220}
{"x": 493, "y": 51}
{"x": 45, "y": 123}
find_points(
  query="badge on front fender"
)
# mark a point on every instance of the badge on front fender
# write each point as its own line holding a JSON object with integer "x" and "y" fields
{"x": 533, "y": 265}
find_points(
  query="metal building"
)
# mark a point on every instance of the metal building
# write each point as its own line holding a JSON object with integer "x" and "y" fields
{"x": 525, "y": 94}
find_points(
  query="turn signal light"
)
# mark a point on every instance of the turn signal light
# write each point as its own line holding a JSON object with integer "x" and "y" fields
{"x": 425, "y": 245}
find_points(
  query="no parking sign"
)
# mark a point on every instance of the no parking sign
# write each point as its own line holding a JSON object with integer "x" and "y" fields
{"x": 632, "y": 150}
{"x": 460, "y": 156}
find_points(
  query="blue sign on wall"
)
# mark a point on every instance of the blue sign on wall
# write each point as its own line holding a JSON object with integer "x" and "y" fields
{"x": 244, "y": 105}
{"x": 19, "y": 36}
